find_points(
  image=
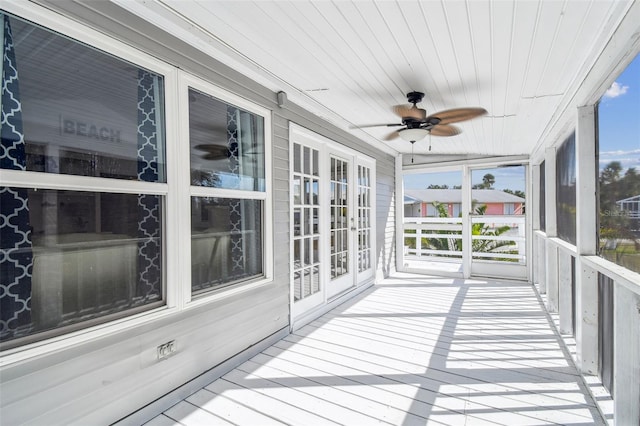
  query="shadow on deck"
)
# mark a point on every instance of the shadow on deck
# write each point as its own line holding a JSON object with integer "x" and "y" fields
{"x": 411, "y": 350}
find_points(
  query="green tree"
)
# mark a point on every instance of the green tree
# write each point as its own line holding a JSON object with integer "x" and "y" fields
{"x": 611, "y": 173}
{"x": 614, "y": 186}
{"x": 488, "y": 180}
{"x": 517, "y": 192}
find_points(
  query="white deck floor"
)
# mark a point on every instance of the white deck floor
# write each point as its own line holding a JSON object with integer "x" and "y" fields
{"x": 411, "y": 350}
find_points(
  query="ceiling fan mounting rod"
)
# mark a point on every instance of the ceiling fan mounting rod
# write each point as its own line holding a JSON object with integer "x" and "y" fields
{"x": 415, "y": 97}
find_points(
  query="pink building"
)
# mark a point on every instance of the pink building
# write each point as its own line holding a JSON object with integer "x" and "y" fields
{"x": 420, "y": 202}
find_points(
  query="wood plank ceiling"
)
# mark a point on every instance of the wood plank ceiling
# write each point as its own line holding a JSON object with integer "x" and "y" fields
{"x": 350, "y": 61}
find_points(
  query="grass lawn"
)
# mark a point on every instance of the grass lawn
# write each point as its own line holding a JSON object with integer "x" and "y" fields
{"x": 625, "y": 254}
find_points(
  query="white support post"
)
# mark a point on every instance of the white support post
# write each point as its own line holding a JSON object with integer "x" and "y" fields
{"x": 586, "y": 241}
{"x": 399, "y": 214}
{"x": 535, "y": 195}
{"x": 551, "y": 251}
{"x": 565, "y": 303}
{"x": 466, "y": 222}
{"x": 536, "y": 254}
{"x": 551, "y": 276}
{"x": 586, "y": 318}
{"x": 626, "y": 356}
{"x": 541, "y": 264}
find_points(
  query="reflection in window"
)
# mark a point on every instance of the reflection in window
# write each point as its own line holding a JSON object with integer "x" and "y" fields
{"x": 227, "y": 145}
{"x": 227, "y": 151}
{"x": 226, "y": 241}
{"x": 72, "y": 256}
{"x": 91, "y": 255}
{"x": 85, "y": 112}
{"x": 566, "y": 189}
{"x": 619, "y": 169}
{"x": 306, "y": 222}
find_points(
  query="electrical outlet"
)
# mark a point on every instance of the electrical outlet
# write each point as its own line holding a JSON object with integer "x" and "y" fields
{"x": 166, "y": 349}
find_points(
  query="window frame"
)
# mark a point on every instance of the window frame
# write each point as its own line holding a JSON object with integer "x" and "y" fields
{"x": 38, "y": 16}
{"x": 187, "y": 191}
{"x": 176, "y": 271}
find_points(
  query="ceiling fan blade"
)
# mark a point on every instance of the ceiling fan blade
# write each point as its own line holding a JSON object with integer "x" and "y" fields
{"x": 376, "y": 125}
{"x": 212, "y": 148}
{"x": 445, "y": 130}
{"x": 391, "y": 136}
{"x": 458, "y": 114}
{"x": 404, "y": 111}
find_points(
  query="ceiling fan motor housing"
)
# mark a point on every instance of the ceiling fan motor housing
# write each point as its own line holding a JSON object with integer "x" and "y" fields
{"x": 415, "y": 97}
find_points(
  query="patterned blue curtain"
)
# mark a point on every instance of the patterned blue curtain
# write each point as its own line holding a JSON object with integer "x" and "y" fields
{"x": 235, "y": 213}
{"x": 16, "y": 255}
{"x": 149, "y": 247}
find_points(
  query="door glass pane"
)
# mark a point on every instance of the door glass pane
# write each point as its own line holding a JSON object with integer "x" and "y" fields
{"x": 307, "y": 160}
{"x": 498, "y": 222}
{"x": 296, "y": 158}
{"x": 364, "y": 215}
{"x": 339, "y": 233}
{"x": 306, "y": 210}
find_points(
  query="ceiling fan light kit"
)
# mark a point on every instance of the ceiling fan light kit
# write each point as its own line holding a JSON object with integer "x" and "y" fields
{"x": 413, "y": 135}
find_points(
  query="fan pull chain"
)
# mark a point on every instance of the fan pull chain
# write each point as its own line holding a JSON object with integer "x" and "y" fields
{"x": 429, "y": 141}
{"x": 412, "y": 143}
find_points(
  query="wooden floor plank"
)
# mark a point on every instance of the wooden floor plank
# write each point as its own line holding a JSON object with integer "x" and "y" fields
{"x": 411, "y": 350}
{"x": 229, "y": 410}
{"x": 191, "y": 415}
{"x": 287, "y": 412}
{"x": 161, "y": 420}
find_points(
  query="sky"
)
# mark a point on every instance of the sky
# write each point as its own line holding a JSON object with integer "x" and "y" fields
{"x": 619, "y": 119}
{"x": 619, "y": 137}
{"x": 506, "y": 178}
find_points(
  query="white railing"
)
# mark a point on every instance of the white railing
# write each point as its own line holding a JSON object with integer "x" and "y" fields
{"x": 433, "y": 236}
{"x": 497, "y": 238}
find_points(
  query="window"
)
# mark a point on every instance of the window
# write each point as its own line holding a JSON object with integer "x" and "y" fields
{"x": 566, "y": 189}
{"x": 619, "y": 169}
{"x": 228, "y": 192}
{"x": 82, "y": 249}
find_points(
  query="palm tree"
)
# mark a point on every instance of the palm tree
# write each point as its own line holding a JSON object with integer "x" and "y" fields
{"x": 488, "y": 180}
{"x": 477, "y": 246}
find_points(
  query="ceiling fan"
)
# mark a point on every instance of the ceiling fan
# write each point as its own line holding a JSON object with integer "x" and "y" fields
{"x": 224, "y": 152}
{"x": 417, "y": 124}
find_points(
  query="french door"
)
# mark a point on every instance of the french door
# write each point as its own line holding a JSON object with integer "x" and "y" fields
{"x": 332, "y": 220}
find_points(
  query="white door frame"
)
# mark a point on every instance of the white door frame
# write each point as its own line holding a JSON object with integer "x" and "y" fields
{"x": 477, "y": 268}
{"x": 305, "y": 310}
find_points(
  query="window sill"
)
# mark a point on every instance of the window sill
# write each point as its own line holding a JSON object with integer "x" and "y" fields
{"x": 44, "y": 347}
{"x": 226, "y": 292}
